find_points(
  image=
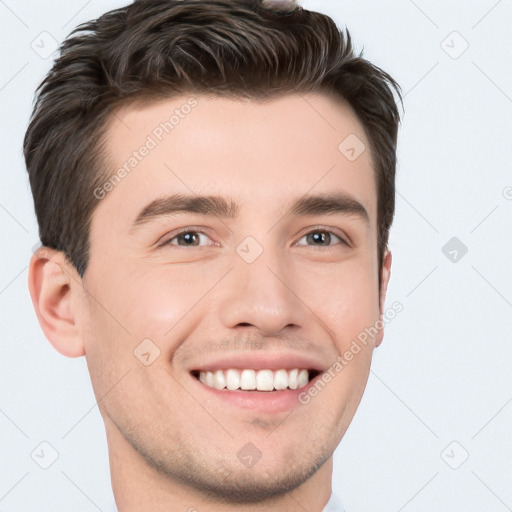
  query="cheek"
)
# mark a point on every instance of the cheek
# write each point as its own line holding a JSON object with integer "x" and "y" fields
{"x": 145, "y": 304}
{"x": 345, "y": 297}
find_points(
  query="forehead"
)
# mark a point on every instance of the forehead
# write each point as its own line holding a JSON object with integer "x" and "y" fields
{"x": 257, "y": 152}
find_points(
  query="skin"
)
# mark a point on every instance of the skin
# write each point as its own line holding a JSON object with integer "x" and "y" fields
{"x": 171, "y": 446}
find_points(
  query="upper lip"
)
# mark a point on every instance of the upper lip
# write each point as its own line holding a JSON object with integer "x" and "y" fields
{"x": 260, "y": 361}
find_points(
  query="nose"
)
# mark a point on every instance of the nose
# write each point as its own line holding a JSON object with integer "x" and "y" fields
{"x": 260, "y": 296}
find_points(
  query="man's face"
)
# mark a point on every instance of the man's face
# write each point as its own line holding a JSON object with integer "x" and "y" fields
{"x": 252, "y": 287}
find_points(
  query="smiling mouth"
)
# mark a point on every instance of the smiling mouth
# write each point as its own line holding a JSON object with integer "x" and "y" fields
{"x": 256, "y": 380}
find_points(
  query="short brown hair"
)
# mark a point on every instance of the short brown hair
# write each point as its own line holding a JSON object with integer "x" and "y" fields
{"x": 162, "y": 48}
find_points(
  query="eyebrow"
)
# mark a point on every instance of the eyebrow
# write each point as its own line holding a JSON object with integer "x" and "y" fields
{"x": 219, "y": 207}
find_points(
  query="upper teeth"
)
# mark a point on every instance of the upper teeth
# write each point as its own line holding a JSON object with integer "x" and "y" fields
{"x": 262, "y": 380}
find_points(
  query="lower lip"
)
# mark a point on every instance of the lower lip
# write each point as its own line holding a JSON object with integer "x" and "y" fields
{"x": 261, "y": 401}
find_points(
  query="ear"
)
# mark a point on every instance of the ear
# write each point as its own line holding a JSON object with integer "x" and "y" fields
{"x": 384, "y": 280}
{"x": 54, "y": 287}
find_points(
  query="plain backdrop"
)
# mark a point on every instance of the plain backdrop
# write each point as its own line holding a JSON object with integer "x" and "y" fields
{"x": 433, "y": 429}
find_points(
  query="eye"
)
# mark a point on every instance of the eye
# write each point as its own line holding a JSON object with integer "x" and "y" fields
{"x": 188, "y": 237}
{"x": 322, "y": 237}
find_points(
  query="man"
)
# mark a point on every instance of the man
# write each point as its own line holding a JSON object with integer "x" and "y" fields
{"x": 214, "y": 186}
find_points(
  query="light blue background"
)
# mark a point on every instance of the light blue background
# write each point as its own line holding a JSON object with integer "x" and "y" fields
{"x": 442, "y": 374}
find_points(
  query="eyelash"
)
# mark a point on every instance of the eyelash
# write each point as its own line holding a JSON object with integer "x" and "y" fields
{"x": 317, "y": 230}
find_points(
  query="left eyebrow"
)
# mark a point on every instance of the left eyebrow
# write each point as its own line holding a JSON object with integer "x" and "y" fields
{"x": 217, "y": 206}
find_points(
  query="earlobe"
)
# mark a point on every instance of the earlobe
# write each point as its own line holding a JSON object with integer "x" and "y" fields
{"x": 53, "y": 290}
{"x": 385, "y": 275}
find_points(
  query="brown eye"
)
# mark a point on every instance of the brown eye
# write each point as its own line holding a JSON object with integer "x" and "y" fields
{"x": 189, "y": 238}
